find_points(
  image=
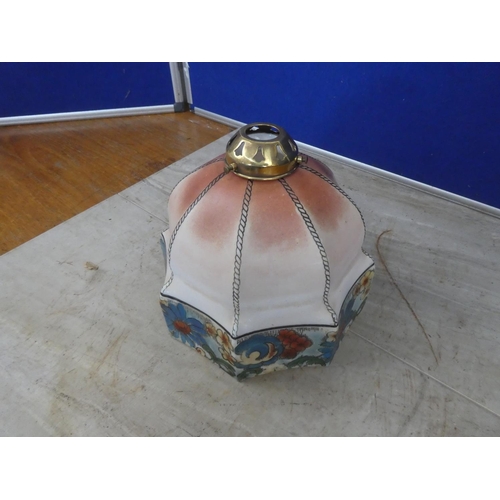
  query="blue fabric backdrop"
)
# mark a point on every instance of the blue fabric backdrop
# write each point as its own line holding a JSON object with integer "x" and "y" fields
{"x": 39, "y": 88}
{"x": 437, "y": 123}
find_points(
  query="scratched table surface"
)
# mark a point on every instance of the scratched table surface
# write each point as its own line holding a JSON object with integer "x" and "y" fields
{"x": 84, "y": 349}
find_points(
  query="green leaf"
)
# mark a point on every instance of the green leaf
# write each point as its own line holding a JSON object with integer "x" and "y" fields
{"x": 247, "y": 373}
{"x": 223, "y": 364}
{"x": 306, "y": 360}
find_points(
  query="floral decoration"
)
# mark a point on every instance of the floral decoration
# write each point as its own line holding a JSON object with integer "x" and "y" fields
{"x": 222, "y": 338}
{"x": 269, "y": 351}
{"x": 189, "y": 330}
{"x": 211, "y": 330}
{"x": 355, "y": 300}
{"x": 203, "y": 352}
{"x": 258, "y": 350}
{"x": 293, "y": 343}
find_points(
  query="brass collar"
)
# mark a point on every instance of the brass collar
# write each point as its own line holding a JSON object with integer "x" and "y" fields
{"x": 262, "y": 151}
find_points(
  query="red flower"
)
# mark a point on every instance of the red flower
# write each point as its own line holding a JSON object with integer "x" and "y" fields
{"x": 293, "y": 343}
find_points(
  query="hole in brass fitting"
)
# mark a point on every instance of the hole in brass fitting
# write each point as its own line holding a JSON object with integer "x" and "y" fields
{"x": 239, "y": 150}
{"x": 259, "y": 156}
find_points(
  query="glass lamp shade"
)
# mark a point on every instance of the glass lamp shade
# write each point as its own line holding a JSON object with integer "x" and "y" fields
{"x": 265, "y": 268}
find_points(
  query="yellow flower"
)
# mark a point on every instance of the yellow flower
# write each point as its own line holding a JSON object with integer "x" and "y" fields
{"x": 223, "y": 340}
{"x": 363, "y": 287}
{"x": 227, "y": 356}
{"x": 201, "y": 351}
{"x": 210, "y": 329}
{"x": 332, "y": 336}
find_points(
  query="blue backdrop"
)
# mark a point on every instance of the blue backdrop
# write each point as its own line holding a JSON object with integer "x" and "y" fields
{"x": 39, "y": 88}
{"x": 437, "y": 123}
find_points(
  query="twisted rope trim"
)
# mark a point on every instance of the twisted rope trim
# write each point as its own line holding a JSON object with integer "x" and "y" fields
{"x": 303, "y": 166}
{"x": 237, "y": 257}
{"x": 183, "y": 218}
{"x": 312, "y": 230}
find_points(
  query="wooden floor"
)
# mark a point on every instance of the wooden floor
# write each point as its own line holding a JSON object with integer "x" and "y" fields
{"x": 53, "y": 171}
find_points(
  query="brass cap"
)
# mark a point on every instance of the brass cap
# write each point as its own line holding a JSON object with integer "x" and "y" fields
{"x": 262, "y": 151}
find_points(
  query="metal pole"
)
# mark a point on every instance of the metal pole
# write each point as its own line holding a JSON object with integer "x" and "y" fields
{"x": 182, "y": 86}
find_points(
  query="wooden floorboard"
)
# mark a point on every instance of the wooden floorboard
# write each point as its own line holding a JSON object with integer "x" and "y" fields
{"x": 50, "y": 172}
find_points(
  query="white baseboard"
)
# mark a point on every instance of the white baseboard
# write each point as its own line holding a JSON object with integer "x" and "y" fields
{"x": 86, "y": 115}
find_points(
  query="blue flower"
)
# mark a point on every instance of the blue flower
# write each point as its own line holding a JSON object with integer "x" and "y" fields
{"x": 328, "y": 350}
{"x": 188, "y": 330}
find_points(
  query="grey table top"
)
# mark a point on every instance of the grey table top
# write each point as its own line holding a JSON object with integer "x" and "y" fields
{"x": 84, "y": 349}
